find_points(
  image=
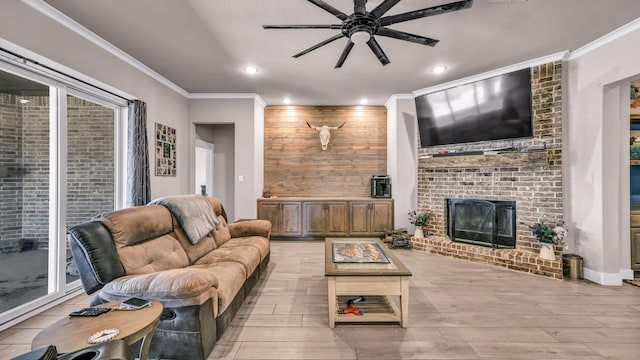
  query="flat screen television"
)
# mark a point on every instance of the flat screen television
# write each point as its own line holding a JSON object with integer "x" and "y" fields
{"x": 489, "y": 109}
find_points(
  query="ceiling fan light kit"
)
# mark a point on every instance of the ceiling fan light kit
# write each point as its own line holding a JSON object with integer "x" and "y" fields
{"x": 363, "y": 26}
{"x": 360, "y": 37}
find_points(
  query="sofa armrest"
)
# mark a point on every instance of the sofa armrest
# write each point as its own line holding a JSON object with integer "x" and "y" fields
{"x": 250, "y": 228}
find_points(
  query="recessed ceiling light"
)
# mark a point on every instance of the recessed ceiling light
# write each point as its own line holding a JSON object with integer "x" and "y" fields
{"x": 250, "y": 69}
{"x": 439, "y": 69}
{"x": 287, "y": 101}
{"x": 364, "y": 101}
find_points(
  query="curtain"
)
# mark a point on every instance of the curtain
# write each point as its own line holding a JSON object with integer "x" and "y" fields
{"x": 138, "y": 184}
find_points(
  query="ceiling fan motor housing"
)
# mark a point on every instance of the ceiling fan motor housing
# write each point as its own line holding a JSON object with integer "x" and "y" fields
{"x": 356, "y": 23}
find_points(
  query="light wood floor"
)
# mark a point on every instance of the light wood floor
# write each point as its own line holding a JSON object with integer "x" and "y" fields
{"x": 458, "y": 310}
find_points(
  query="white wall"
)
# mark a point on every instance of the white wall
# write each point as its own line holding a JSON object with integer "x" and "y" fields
{"x": 596, "y": 161}
{"x": 51, "y": 40}
{"x": 248, "y": 145}
{"x": 401, "y": 156}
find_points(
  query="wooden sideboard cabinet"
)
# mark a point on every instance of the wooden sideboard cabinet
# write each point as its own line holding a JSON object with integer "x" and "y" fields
{"x": 316, "y": 218}
{"x": 370, "y": 217}
{"x": 325, "y": 218}
{"x": 285, "y": 217}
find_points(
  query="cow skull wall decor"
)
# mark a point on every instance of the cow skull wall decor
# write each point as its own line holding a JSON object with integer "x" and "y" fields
{"x": 325, "y": 133}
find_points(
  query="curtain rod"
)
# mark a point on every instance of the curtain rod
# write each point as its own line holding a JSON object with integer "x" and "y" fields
{"x": 48, "y": 68}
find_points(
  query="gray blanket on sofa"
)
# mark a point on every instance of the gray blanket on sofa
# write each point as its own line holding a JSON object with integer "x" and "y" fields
{"x": 194, "y": 213}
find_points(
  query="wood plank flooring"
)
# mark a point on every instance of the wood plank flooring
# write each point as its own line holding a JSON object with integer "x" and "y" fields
{"x": 458, "y": 310}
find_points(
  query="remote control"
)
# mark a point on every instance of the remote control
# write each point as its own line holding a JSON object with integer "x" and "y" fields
{"x": 92, "y": 311}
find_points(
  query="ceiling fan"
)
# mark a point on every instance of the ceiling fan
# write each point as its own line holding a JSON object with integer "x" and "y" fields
{"x": 363, "y": 25}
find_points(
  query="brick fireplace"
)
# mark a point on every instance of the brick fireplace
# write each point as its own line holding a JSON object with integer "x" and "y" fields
{"x": 530, "y": 176}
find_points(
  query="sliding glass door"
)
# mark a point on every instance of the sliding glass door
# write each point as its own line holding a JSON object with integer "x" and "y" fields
{"x": 25, "y": 172}
{"x": 60, "y": 162}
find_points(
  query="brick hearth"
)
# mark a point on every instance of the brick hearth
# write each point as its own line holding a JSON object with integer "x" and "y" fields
{"x": 532, "y": 179}
{"x": 513, "y": 259}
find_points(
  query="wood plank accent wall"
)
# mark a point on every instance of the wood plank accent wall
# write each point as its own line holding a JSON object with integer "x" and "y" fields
{"x": 296, "y": 165}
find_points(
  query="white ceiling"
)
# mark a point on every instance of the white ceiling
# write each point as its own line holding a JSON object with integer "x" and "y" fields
{"x": 203, "y": 45}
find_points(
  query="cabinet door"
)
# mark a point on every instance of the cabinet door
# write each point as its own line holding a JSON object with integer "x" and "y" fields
{"x": 291, "y": 224}
{"x": 359, "y": 218}
{"x": 635, "y": 248}
{"x": 314, "y": 218}
{"x": 337, "y": 218}
{"x": 270, "y": 211}
{"x": 381, "y": 217}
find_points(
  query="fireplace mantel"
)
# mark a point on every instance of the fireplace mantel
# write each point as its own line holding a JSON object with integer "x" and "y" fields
{"x": 538, "y": 158}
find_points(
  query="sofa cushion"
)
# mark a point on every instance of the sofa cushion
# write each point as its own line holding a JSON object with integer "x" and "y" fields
{"x": 137, "y": 224}
{"x": 177, "y": 287}
{"x": 194, "y": 251}
{"x": 247, "y": 256}
{"x": 144, "y": 239}
{"x": 258, "y": 242}
{"x": 217, "y": 206}
{"x": 221, "y": 233}
{"x": 162, "y": 253}
{"x": 231, "y": 276}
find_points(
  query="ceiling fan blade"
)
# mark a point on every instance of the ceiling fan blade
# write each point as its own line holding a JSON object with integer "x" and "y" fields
{"x": 328, "y": 8}
{"x": 431, "y": 11}
{"x": 345, "y": 53}
{"x": 331, "y": 39}
{"x": 384, "y": 7}
{"x": 407, "y": 37}
{"x": 359, "y": 7}
{"x": 377, "y": 50}
{"x": 338, "y": 27}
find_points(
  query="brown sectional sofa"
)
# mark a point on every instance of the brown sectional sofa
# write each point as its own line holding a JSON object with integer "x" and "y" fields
{"x": 144, "y": 252}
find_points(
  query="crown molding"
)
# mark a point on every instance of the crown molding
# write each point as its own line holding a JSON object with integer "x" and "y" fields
{"x": 229, "y": 96}
{"x": 560, "y": 56}
{"x": 260, "y": 101}
{"x": 395, "y": 97}
{"x": 76, "y": 27}
{"x": 605, "y": 39}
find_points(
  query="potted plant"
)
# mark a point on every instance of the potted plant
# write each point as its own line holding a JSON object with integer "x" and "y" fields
{"x": 548, "y": 235}
{"x": 420, "y": 221}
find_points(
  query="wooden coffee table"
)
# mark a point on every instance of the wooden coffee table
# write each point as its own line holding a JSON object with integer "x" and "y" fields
{"x": 71, "y": 333}
{"x": 377, "y": 281}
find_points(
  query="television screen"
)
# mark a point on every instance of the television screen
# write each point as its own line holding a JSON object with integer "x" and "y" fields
{"x": 489, "y": 109}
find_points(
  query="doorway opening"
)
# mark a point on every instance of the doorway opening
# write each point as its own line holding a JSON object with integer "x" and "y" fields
{"x": 204, "y": 167}
{"x": 221, "y": 140}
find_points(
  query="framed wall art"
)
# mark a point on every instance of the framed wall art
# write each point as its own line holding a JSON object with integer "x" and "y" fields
{"x": 165, "y": 150}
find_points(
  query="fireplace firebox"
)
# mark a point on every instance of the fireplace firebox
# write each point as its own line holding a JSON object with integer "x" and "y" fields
{"x": 489, "y": 223}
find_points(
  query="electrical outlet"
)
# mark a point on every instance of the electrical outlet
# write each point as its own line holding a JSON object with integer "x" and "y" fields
{"x": 240, "y": 178}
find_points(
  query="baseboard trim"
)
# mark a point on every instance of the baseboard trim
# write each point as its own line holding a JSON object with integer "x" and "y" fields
{"x": 607, "y": 279}
{"x": 626, "y": 274}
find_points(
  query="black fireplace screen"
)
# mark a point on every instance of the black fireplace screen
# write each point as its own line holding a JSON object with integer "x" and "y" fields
{"x": 482, "y": 222}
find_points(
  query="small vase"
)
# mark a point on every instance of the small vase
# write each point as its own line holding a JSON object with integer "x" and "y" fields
{"x": 546, "y": 251}
{"x": 418, "y": 233}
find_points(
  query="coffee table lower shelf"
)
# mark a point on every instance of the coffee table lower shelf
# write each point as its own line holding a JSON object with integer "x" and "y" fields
{"x": 375, "y": 309}
{"x": 379, "y": 306}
